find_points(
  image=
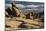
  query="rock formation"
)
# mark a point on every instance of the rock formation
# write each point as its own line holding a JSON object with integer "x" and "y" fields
{"x": 20, "y": 21}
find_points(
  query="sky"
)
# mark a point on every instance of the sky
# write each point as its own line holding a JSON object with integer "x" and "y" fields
{"x": 28, "y": 0}
{"x": 27, "y": 6}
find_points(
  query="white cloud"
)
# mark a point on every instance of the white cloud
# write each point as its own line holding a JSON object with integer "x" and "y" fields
{"x": 23, "y": 6}
{"x": 33, "y": 9}
{"x": 20, "y": 5}
{"x": 29, "y": 6}
{"x": 32, "y": 6}
{"x": 8, "y": 5}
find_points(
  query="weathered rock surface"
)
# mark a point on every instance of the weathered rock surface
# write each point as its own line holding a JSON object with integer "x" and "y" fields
{"x": 17, "y": 21}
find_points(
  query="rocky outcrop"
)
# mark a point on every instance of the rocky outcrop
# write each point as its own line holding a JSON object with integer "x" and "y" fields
{"x": 14, "y": 11}
{"x": 17, "y": 20}
{"x": 21, "y": 23}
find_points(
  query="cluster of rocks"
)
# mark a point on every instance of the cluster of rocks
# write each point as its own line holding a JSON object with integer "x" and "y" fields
{"x": 15, "y": 20}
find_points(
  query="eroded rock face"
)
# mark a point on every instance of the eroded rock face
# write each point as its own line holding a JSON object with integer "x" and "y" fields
{"x": 29, "y": 15}
{"x": 14, "y": 11}
{"x": 17, "y": 13}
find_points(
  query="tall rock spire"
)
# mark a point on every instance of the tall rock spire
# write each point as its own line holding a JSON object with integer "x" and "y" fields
{"x": 15, "y": 10}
